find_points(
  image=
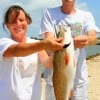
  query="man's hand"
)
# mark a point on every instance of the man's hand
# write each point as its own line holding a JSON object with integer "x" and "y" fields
{"x": 80, "y": 41}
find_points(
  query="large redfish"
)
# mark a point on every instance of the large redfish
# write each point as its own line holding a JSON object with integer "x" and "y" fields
{"x": 64, "y": 66}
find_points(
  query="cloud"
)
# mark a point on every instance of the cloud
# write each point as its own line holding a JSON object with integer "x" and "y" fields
{"x": 82, "y": 5}
{"x": 36, "y": 4}
{"x": 39, "y": 4}
{"x": 34, "y": 8}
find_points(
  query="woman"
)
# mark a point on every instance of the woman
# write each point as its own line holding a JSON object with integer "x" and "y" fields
{"x": 20, "y": 77}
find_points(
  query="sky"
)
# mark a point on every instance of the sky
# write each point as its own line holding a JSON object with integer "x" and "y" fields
{"x": 35, "y": 9}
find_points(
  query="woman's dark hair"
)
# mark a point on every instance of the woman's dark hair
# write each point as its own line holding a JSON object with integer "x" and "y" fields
{"x": 16, "y": 9}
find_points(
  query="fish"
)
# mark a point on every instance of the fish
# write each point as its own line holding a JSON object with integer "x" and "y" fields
{"x": 64, "y": 66}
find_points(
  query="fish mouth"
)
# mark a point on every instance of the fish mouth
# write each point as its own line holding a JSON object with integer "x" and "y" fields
{"x": 66, "y": 45}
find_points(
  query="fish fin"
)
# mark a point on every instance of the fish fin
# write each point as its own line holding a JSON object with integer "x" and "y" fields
{"x": 67, "y": 58}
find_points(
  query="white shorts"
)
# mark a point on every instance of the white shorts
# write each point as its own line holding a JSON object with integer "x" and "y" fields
{"x": 80, "y": 93}
{"x": 50, "y": 92}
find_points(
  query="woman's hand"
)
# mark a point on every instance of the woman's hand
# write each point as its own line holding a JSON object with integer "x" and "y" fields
{"x": 53, "y": 44}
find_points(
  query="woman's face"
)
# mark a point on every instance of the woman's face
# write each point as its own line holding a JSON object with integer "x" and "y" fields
{"x": 17, "y": 26}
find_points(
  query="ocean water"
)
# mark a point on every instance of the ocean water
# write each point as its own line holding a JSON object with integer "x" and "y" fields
{"x": 93, "y": 50}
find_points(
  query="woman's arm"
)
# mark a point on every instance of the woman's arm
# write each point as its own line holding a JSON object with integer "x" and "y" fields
{"x": 24, "y": 49}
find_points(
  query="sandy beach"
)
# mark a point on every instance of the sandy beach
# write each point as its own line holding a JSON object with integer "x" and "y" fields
{"x": 94, "y": 77}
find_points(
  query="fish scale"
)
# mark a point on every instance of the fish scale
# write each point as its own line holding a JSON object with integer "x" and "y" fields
{"x": 64, "y": 73}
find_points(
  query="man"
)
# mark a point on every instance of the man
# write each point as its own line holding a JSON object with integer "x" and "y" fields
{"x": 83, "y": 30}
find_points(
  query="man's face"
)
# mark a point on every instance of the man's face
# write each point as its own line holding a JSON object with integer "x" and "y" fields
{"x": 68, "y": 2}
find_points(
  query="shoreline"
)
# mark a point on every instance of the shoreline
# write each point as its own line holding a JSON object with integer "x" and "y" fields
{"x": 94, "y": 77}
{"x": 92, "y": 56}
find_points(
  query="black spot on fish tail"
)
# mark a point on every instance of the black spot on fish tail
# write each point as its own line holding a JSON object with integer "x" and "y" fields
{"x": 66, "y": 45}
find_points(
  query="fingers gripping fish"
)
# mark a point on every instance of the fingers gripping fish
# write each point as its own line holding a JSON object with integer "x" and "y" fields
{"x": 64, "y": 66}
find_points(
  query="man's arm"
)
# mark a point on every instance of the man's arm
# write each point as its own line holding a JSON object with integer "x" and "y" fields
{"x": 92, "y": 37}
